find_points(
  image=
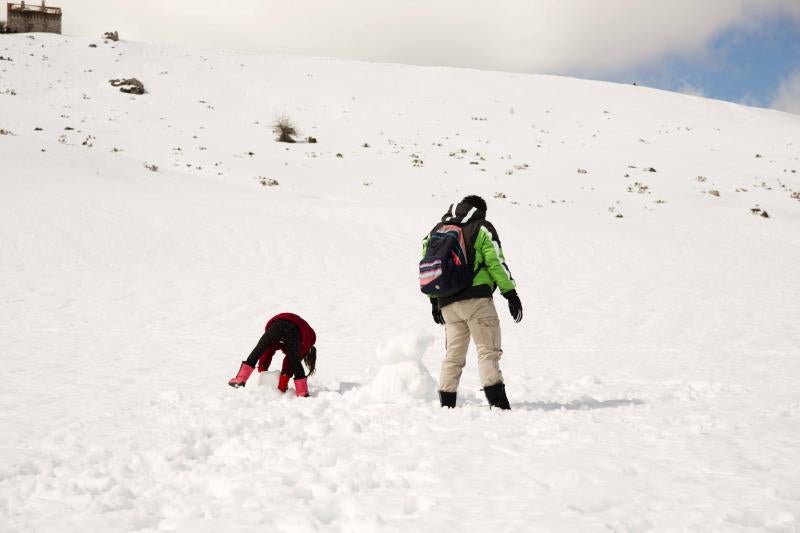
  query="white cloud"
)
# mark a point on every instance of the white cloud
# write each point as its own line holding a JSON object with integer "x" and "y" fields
{"x": 556, "y": 36}
{"x": 787, "y": 98}
{"x": 687, "y": 88}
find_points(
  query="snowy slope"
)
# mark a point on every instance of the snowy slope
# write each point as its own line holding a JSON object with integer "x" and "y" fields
{"x": 654, "y": 380}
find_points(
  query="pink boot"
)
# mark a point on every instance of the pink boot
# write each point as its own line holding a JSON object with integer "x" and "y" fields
{"x": 241, "y": 378}
{"x": 301, "y": 387}
{"x": 283, "y": 383}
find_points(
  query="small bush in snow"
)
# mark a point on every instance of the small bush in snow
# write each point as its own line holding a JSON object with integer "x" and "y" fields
{"x": 796, "y": 195}
{"x": 151, "y": 167}
{"x": 111, "y": 35}
{"x": 500, "y": 195}
{"x": 714, "y": 192}
{"x": 268, "y": 182}
{"x": 284, "y": 129}
{"x": 701, "y": 179}
{"x": 5, "y": 132}
{"x": 639, "y": 188}
{"x": 582, "y": 171}
{"x": 651, "y": 169}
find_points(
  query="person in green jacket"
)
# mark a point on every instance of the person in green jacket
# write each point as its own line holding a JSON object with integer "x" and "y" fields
{"x": 471, "y": 311}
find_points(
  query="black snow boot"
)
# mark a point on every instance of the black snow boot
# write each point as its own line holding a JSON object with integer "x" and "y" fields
{"x": 448, "y": 399}
{"x": 496, "y": 395}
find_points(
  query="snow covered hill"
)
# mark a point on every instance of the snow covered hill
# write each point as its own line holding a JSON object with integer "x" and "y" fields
{"x": 655, "y": 239}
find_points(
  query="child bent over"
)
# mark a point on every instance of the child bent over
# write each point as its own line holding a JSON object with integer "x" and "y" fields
{"x": 295, "y": 338}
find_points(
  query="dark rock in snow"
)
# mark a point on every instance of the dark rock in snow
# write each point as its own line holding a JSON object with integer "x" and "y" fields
{"x": 128, "y": 85}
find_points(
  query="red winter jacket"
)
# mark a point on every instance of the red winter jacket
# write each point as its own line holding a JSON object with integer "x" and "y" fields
{"x": 307, "y": 339}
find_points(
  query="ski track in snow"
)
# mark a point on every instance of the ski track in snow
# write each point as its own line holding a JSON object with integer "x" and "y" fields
{"x": 654, "y": 380}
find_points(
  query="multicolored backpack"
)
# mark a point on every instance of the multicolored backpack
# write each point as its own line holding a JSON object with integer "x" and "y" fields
{"x": 445, "y": 269}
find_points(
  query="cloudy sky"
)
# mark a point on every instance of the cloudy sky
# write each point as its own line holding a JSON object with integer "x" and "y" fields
{"x": 745, "y": 51}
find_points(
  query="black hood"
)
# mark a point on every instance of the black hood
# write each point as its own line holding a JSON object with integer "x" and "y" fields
{"x": 462, "y": 213}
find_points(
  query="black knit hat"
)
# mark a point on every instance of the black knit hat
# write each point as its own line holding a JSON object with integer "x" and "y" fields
{"x": 475, "y": 201}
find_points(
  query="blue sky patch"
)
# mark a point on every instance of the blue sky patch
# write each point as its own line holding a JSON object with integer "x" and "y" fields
{"x": 743, "y": 65}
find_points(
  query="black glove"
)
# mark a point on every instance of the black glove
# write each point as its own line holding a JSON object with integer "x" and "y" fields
{"x": 436, "y": 312}
{"x": 514, "y": 305}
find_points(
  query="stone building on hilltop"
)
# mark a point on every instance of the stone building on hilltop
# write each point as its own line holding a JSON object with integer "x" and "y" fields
{"x": 24, "y": 17}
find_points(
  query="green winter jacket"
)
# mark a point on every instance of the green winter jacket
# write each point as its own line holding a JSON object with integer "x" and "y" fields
{"x": 485, "y": 251}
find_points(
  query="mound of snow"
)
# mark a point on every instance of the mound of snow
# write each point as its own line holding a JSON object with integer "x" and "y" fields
{"x": 402, "y": 375}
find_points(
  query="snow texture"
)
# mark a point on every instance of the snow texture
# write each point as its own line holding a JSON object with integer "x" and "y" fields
{"x": 653, "y": 381}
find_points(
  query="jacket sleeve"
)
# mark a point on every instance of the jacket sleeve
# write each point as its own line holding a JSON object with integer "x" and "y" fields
{"x": 494, "y": 260}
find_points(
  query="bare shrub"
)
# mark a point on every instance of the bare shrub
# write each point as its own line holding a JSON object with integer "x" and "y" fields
{"x": 284, "y": 129}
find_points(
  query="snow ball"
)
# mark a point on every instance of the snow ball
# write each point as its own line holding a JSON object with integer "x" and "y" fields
{"x": 269, "y": 379}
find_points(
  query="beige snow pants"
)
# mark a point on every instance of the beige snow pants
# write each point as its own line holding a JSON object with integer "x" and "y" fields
{"x": 476, "y": 317}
